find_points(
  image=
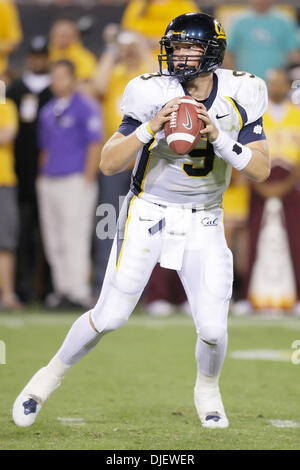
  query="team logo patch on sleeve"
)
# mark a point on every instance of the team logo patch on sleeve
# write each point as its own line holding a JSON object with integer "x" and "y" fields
{"x": 257, "y": 129}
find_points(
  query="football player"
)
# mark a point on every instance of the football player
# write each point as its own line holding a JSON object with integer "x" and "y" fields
{"x": 173, "y": 211}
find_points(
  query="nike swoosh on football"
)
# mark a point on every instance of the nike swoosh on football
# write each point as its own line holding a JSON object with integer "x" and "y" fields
{"x": 220, "y": 117}
{"x": 188, "y": 125}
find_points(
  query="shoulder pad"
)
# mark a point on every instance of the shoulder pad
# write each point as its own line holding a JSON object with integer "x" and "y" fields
{"x": 143, "y": 97}
{"x": 251, "y": 94}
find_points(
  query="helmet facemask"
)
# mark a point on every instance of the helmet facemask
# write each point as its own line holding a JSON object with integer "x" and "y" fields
{"x": 210, "y": 59}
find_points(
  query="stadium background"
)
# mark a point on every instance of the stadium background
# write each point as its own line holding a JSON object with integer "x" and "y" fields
{"x": 101, "y": 12}
{"x": 92, "y": 18}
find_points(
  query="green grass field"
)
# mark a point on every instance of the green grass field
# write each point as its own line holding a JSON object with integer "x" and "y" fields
{"x": 135, "y": 389}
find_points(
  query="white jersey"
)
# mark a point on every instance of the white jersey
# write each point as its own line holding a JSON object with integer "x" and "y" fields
{"x": 235, "y": 105}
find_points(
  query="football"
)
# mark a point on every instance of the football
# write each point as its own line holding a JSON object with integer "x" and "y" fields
{"x": 183, "y": 130}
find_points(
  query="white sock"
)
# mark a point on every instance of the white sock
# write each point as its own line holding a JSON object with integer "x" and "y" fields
{"x": 207, "y": 395}
{"x": 57, "y": 368}
{"x": 80, "y": 339}
{"x": 210, "y": 357}
{"x": 46, "y": 380}
{"x": 206, "y": 383}
{"x": 41, "y": 385}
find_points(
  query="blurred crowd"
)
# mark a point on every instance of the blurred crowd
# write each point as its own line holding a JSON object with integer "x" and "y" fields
{"x": 56, "y": 114}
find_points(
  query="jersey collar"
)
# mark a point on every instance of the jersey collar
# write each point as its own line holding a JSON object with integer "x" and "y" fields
{"x": 211, "y": 98}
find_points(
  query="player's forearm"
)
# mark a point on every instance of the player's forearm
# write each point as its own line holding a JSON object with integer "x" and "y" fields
{"x": 118, "y": 153}
{"x": 120, "y": 150}
{"x": 259, "y": 167}
{"x": 252, "y": 159}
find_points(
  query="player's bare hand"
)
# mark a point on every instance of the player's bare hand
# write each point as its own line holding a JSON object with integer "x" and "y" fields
{"x": 164, "y": 115}
{"x": 210, "y": 131}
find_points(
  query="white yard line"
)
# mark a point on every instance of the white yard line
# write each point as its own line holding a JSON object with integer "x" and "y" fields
{"x": 68, "y": 421}
{"x": 142, "y": 320}
{"x": 11, "y": 323}
{"x": 262, "y": 354}
{"x": 284, "y": 423}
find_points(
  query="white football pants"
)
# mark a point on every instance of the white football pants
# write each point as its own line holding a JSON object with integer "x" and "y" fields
{"x": 193, "y": 243}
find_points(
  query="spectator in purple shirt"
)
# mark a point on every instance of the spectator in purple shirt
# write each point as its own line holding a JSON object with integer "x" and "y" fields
{"x": 70, "y": 130}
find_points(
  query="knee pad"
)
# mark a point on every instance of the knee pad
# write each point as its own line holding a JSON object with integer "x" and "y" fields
{"x": 212, "y": 334}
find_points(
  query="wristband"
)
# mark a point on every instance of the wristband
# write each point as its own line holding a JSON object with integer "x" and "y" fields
{"x": 144, "y": 133}
{"x": 231, "y": 151}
